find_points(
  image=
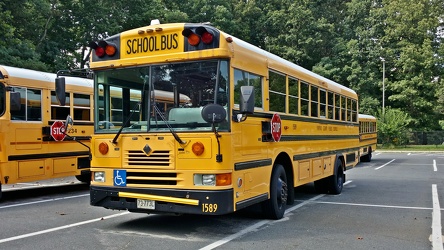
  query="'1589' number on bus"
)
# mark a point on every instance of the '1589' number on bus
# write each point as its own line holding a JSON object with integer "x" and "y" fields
{"x": 209, "y": 208}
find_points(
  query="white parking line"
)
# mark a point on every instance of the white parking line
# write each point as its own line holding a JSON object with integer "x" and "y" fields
{"x": 371, "y": 205}
{"x": 385, "y": 164}
{"x": 436, "y": 221}
{"x": 434, "y": 166}
{"x": 259, "y": 224}
{"x": 254, "y": 226}
{"x": 43, "y": 201}
{"x": 60, "y": 228}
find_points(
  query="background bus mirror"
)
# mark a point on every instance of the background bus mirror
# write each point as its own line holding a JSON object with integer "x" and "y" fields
{"x": 15, "y": 101}
{"x": 68, "y": 123}
{"x": 60, "y": 90}
{"x": 214, "y": 113}
{"x": 246, "y": 100}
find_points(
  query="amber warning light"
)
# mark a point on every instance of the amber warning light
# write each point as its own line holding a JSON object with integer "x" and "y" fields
{"x": 200, "y": 34}
{"x": 103, "y": 48}
{"x": 201, "y": 37}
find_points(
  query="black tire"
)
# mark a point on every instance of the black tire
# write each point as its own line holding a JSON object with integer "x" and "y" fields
{"x": 368, "y": 156}
{"x": 274, "y": 208}
{"x": 336, "y": 182}
{"x": 0, "y": 191}
{"x": 291, "y": 193}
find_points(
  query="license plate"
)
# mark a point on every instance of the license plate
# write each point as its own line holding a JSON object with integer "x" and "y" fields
{"x": 146, "y": 204}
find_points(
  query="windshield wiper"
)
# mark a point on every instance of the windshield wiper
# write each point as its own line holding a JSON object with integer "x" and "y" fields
{"x": 126, "y": 122}
{"x": 139, "y": 104}
{"x": 176, "y": 136}
{"x": 157, "y": 110}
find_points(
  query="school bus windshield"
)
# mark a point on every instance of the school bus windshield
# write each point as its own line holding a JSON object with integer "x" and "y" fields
{"x": 166, "y": 95}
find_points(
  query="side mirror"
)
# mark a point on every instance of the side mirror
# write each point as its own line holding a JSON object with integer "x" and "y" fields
{"x": 15, "y": 101}
{"x": 68, "y": 123}
{"x": 60, "y": 90}
{"x": 214, "y": 113}
{"x": 246, "y": 104}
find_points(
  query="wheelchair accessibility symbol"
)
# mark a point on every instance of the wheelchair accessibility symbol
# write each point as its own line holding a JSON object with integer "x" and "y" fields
{"x": 120, "y": 178}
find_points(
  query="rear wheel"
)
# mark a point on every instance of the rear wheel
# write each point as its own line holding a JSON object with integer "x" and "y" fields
{"x": 368, "y": 156}
{"x": 336, "y": 181}
{"x": 274, "y": 208}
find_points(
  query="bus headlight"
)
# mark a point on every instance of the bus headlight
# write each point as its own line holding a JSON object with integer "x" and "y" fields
{"x": 205, "y": 180}
{"x": 212, "y": 179}
{"x": 99, "y": 176}
{"x": 209, "y": 180}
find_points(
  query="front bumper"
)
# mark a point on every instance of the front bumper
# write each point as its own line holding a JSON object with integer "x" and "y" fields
{"x": 214, "y": 202}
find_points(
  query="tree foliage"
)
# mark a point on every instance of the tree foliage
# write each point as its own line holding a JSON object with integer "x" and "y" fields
{"x": 393, "y": 127}
{"x": 343, "y": 40}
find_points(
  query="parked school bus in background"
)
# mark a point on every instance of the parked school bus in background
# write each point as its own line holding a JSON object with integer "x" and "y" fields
{"x": 368, "y": 135}
{"x": 28, "y": 109}
{"x": 256, "y": 126}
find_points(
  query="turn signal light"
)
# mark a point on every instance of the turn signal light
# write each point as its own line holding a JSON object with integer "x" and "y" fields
{"x": 103, "y": 148}
{"x": 223, "y": 179}
{"x": 198, "y": 148}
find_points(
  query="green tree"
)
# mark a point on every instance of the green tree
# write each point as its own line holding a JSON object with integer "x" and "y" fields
{"x": 20, "y": 24}
{"x": 393, "y": 127}
{"x": 410, "y": 46}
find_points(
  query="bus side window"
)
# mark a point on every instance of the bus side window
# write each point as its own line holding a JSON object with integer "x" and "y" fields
{"x": 243, "y": 78}
{"x": 82, "y": 104}
{"x": 30, "y": 105}
{"x": 304, "y": 98}
{"x": 15, "y": 101}
{"x": 59, "y": 112}
{"x": 277, "y": 90}
{"x": 34, "y": 105}
{"x": 19, "y": 114}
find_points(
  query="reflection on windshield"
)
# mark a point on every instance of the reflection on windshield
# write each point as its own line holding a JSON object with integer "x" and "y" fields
{"x": 127, "y": 97}
{"x": 2, "y": 99}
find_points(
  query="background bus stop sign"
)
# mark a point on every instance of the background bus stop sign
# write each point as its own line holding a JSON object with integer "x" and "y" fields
{"x": 58, "y": 131}
{"x": 276, "y": 127}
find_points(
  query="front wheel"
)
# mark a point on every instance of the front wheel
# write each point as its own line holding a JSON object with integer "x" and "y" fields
{"x": 274, "y": 208}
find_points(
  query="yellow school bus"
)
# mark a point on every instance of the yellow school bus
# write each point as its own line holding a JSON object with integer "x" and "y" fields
{"x": 255, "y": 127}
{"x": 29, "y": 111}
{"x": 368, "y": 135}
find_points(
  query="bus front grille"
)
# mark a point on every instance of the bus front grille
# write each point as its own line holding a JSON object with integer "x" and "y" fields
{"x": 151, "y": 178}
{"x": 160, "y": 159}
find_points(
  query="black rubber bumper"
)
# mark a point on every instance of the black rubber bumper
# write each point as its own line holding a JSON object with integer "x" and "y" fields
{"x": 210, "y": 202}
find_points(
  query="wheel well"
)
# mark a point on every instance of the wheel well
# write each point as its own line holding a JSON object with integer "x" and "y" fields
{"x": 342, "y": 159}
{"x": 285, "y": 161}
